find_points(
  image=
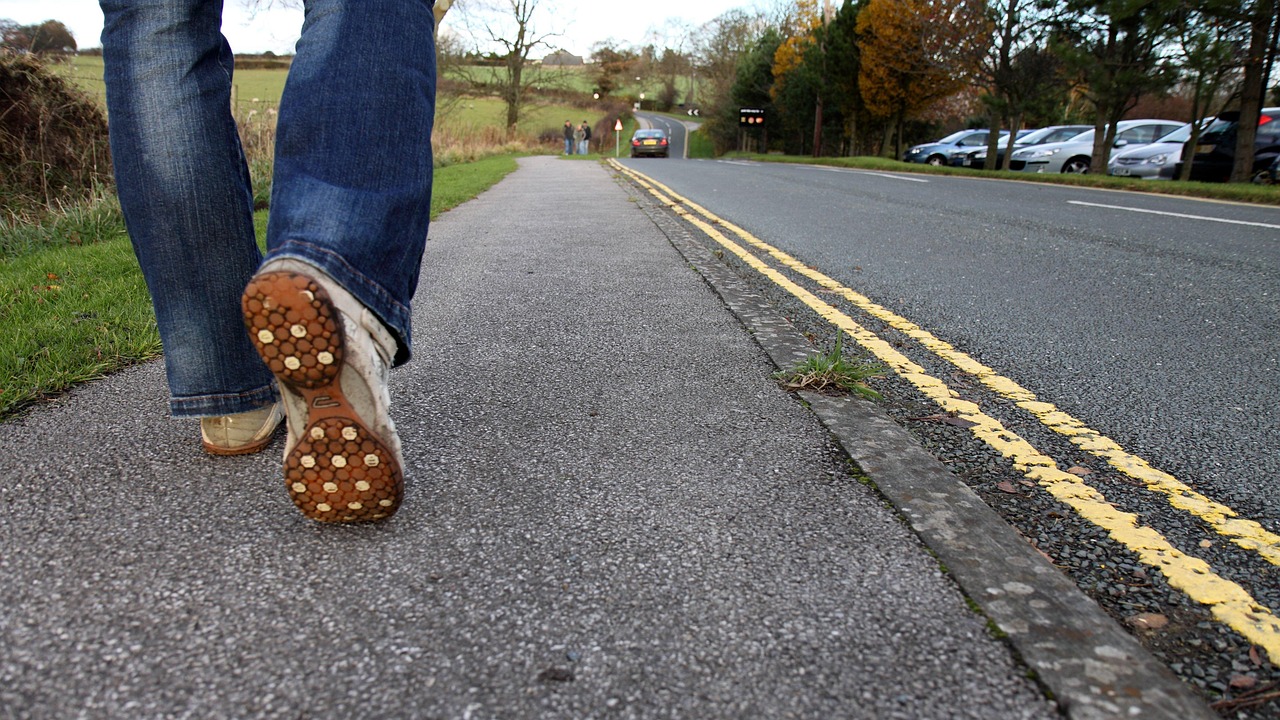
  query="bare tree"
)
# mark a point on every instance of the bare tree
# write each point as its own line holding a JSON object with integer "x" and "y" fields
{"x": 508, "y": 28}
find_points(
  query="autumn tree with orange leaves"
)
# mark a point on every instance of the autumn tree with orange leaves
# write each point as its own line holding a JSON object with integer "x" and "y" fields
{"x": 798, "y": 60}
{"x": 917, "y": 52}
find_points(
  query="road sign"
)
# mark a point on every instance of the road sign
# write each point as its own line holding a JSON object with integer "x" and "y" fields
{"x": 751, "y": 117}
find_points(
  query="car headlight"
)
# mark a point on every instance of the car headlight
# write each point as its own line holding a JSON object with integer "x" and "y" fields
{"x": 1161, "y": 159}
{"x": 916, "y": 150}
{"x": 1029, "y": 154}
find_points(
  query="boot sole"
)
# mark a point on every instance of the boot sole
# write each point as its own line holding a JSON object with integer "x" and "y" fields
{"x": 340, "y": 470}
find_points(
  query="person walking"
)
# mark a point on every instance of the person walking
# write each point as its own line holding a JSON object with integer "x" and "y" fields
{"x": 328, "y": 309}
{"x": 584, "y": 147}
{"x": 568, "y": 137}
{"x": 577, "y": 140}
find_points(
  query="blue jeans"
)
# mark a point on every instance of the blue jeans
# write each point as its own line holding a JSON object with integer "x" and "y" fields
{"x": 351, "y": 192}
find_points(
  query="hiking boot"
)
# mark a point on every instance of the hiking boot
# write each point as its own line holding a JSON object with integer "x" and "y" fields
{"x": 241, "y": 433}
{"x": 331, "y": 356}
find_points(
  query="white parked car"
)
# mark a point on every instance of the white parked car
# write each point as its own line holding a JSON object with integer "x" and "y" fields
{"x": 1075, "y": 155}
{"x": 1041, "y": 136}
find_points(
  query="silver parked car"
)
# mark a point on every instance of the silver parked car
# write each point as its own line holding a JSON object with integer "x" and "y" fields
{"x": 1042, "y": 136}
{"x": 1075, "y": 155}
{"x": 944, "y": 151}
{"x": 1156, "y": 161}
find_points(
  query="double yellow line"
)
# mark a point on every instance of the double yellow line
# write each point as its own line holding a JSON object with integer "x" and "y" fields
{"x": 1228, "y": 602}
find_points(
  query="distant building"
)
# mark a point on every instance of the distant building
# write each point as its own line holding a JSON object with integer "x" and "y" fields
{"x": 562, "y": 57}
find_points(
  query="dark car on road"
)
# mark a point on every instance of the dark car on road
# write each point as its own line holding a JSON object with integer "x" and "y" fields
{"x": 653, "y": 142}
{"x": 1216, "y": 151}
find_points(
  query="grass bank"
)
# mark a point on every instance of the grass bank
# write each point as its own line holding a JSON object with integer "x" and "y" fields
{"x": 1236, "y": 192}
{"x": 74, "y": 307}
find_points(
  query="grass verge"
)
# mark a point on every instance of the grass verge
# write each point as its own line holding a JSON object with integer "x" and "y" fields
{"x": 73, "y": 304}
{"x": 68, "y": 314}
{"x": 1236, "y": 192}
{"x": 700, "y": 146}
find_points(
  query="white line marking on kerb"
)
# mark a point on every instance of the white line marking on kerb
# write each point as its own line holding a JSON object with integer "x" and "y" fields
{"x": 1173, "y": 214}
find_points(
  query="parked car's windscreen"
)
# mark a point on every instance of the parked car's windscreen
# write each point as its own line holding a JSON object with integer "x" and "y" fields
{"x": 1047, "y": 135}
{"x": 953, "y": 137}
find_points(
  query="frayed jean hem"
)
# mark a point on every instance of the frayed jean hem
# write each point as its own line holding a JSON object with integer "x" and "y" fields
{"x": 225, "y": 404}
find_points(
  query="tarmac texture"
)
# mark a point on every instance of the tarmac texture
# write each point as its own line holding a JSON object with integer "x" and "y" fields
{"x": 613, "y": 510}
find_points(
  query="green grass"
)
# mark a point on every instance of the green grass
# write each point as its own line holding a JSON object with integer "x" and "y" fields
{"x": 74, "y": 307}
{"x": 582, "y": 79}
{"x": 832, "y": 373}
{"x": 1238, "y": 192}
{"x": 68, "y": 314}
{"x": 456, "y": 184}
{"x": 266, "y": 85}
{"x": 700, "y": 146}
{"x": 534, "y": 117}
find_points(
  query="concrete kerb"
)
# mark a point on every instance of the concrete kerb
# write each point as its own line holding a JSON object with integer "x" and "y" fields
{"x": 1090, "y": 664}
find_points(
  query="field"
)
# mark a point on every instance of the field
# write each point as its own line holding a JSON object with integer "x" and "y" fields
{"x": 255, "y": 91}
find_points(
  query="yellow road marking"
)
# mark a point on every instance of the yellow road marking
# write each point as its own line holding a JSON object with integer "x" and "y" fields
{"x": 1245, "y": 533}
{"x": 1226, "y": 600}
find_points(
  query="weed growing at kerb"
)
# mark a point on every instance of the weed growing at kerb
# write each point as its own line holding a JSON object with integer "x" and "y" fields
{"x": 831, "y": 373}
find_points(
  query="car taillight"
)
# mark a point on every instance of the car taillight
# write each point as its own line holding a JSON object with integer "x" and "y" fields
{"x": 664, "y": 141}
{"x": 635, "y": 142}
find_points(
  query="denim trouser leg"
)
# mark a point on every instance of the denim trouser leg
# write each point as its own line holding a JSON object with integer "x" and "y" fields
{"x": 184, "y": 189}
{"x": 352, "y": 187}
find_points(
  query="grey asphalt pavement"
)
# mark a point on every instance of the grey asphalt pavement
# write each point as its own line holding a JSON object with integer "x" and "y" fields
{"x": 612, "y": 511}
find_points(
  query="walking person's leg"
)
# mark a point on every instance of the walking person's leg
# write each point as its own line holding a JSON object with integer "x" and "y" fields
{"x": 184, "y": 188}
{"x": 351, "y": 201}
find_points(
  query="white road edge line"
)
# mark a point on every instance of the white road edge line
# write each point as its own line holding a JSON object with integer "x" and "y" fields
{"x": 1173, "y": 214}
{"x": 892, "y": 177}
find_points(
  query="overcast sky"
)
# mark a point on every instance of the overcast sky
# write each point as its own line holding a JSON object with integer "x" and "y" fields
{"x": 580, "y": 23}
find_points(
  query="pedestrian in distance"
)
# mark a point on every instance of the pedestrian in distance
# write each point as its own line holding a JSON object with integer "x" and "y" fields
{"x": 584, "y": 146}
{"x": 568, "y": 137}
{"x": 327, "y": 310}
{"x": 577, "y": 140}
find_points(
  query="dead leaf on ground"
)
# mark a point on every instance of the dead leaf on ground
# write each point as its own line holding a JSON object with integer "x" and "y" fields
{"x": 1147, "y": 621}
{"x": 1006, "y": 486}
{"x": 1079, "y": 471}
{"x": 1243, "y": 682}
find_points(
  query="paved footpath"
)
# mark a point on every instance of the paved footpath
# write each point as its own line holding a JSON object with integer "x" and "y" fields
{"x": 613, "y": 511}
